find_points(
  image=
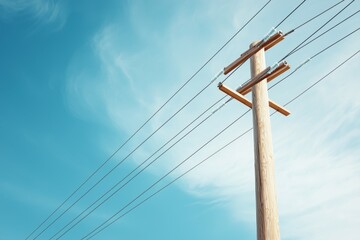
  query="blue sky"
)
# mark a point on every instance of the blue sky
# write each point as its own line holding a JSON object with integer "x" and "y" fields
{"x": 78, "y": 77}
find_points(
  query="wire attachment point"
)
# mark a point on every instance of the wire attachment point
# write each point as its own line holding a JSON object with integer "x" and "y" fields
{"x": 276, "y": 65}
{"x": 270, "y": 33}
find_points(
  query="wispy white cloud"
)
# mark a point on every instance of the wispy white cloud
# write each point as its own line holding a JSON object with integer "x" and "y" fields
{"x": 316, "y": 149}
{"x": 43, "y": 11}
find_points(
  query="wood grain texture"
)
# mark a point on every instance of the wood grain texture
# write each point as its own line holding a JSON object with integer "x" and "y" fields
{"x": 266, "y": 207}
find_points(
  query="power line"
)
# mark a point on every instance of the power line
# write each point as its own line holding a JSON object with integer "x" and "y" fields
{"x": 120, "y": 181}
{"x": 335, "y": 42}
{"x": 102, "y": 227}
{"x": 331, "y": 28}
{"x": 304, "y": 23}
{"x": 290, "y": 13}
{"x": 321, "y": 79}
{"x": 138, "y": 173}
{"x": 151, "y": 117}
{"x": 300, "y": 46}
{"x": 268, "y": 35}
{"x": 123, "y": 160}
{"x": 318, "y": 15}
{"x": 313, "y": 56}
{"x": 171, "y": 182}
{"x": 292, "y": 51}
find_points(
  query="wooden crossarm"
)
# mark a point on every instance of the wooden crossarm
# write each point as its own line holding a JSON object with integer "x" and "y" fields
{"x": 246, "y": 88}
{"x": 235, "y": 95}
{"x": 273, "y": 75}
{"x": 241, "y": 98}
{"x": 277, "y": 72}
{"x": 272, "y": 41}
{"x": 278, "y": 108}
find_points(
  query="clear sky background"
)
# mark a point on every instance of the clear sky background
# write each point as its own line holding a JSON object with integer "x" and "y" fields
{"x": 77, "y": 78}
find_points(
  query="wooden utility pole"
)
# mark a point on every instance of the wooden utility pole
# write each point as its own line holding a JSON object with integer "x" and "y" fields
{"x": 266, "y": 207}
{"x": 267, "y": 218}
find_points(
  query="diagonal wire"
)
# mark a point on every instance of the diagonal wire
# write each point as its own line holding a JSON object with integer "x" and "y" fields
{"x": 335, "y": 42}
{"x": 103, "y": 227}
{"x": 317, "y": 30}
{"x": 138, "y": 173}
{"x": 307, "y": 21}
{"x": 274, "y": 28}
{"x": 123, "y": 160}
{"x": 171, "y": 182}
{"x": 313, "y": 56}
{"x": 290, "y": 13}
{"x": 318, "y": 15}
{"x": 151, "y": 117}
{"x": 331, "y": 28}
{"x": 145, "y": 162}
{"x": 321, "y": 79}
{"x": 112, "y": 188}
{"x": 127, "y": 156}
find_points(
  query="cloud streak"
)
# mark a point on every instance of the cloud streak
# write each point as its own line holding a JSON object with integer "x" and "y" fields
{"x": 43, "y": 11}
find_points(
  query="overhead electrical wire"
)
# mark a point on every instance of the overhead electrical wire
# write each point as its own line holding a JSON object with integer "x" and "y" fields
{"x": 120, "y": 162}
{"x": 313, "y": 56}
{"x": 143, "y": 169}
{"x": 136, "y": 168}
{"x": 302, "y": 24}
{"x": 129, "y": 174}
{"x": 123, "y": 160}
{"x": 349, "y": 34}
{"x": 331, "y": 28}
{"x": 324, "y": 49}
{"x": 151, "y": 117}
{"x": 107, "y": 223}
{"x": 303, "y": 43}
{"x": 317, "y": 30}
{"x": 321, "y": 79}
{"x": 290, "y": 13}
{"x": 318, "y": 15}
